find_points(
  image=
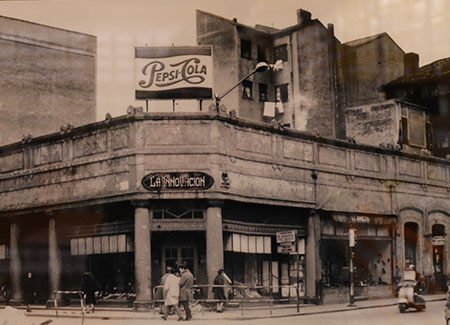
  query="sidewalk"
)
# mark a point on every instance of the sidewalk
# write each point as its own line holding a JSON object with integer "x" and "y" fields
{"x": 229, "y": 314}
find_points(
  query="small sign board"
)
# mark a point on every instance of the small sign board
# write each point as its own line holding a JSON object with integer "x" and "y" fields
{"x": 288, "y": 236}
{"x": 174, "y": 72}
{"x": 438, "y": 240}
{"x": 286, "y": 249}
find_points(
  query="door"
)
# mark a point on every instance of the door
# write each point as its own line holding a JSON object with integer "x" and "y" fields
{"x": 438, "y": 253}
{"x": 175, "y": 255}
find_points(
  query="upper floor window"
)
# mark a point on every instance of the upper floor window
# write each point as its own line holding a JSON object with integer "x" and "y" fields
{"x": 262, "y": 92}
{"x": 246, "y": 49}
{"x": 261, "y": 54}
{"x": 414, "y": 128}
{"x": 247, "y": 89}
{"x": 280, "y": 53}
{"x": 281, "y": 93}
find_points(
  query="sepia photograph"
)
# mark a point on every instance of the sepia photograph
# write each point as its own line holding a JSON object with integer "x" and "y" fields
{"x": 224, "y": 162}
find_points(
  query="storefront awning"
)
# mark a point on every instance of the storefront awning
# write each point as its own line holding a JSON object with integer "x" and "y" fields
{"x": 259, "y": 228}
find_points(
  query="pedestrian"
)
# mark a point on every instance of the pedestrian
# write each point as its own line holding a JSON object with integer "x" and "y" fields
{"x": 159, "y": 293}
{"x": 171, "y": 294}
{"x": 219, "y": 291}
{"x": 29, "y": 290}
{"x": 89, "y": 288}
{"x": 186, "y": 289}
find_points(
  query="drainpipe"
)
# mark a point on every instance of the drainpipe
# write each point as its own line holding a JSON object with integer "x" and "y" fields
{"x": 292, "y": 80}
{"x": 333, "y": 83}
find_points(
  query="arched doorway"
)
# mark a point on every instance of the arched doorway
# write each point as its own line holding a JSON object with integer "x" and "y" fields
{"x": 438, "y": 244}
{"x": 411, "y": 242}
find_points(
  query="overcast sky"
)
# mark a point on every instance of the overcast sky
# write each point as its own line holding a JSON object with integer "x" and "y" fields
{"x": 421, "y": 26}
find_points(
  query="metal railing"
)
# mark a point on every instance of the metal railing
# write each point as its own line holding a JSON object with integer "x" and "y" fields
{"x": 237, "y": 294}
{"x": 69, "y": 292}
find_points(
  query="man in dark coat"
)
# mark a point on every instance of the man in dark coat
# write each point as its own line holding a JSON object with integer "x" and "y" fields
{"x": 186, "y": 289}
{"x": 219, "y": 291}
{"x": 29, "y": 289}
{"x": 89, "y": 288}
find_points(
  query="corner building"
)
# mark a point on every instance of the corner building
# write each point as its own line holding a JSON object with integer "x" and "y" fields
{"x": 74, "y": 202}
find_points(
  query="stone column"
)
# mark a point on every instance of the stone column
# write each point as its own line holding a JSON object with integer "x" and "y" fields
{"x": 214, "y": 241}
{"x": 54, "y": 261}
{"x": 142, "y": 256}
{"x": 313, "y": 262}
{"x": 15, "y": 266}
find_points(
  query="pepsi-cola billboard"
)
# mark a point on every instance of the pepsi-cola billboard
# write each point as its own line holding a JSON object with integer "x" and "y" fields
{"x": 175, "y": 72}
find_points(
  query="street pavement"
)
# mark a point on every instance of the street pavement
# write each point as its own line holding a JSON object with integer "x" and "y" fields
{"x": 372, "y": 312}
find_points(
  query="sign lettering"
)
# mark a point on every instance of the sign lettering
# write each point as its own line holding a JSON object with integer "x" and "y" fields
{"x": 173, "y": 72}
{"x": 177, "y": 181}
{"x": 289, "y": 236}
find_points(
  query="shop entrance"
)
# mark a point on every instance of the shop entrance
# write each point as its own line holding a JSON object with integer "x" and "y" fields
{"x": 411, "y": 235}
{"x": 438, "y": 242}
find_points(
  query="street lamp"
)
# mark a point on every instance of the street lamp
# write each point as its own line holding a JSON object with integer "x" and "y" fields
{"x": 260, "y": 67}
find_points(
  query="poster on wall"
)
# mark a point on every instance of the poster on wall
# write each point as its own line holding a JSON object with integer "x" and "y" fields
{"x": 175, "y": 72}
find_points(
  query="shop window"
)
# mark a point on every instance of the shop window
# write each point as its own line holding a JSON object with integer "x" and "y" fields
{"x": 262, "y": 92}
{"x": 247, "y": 89}
{"x": 246, "y": 49}
{"x": 334, "y": 262}
{"x": 4, "y": 252}
{"x": 281, "y": 93}
{"x": 280, "y": 53}
{"x": 241, "y": 243}
{"x": 101, "y": 245}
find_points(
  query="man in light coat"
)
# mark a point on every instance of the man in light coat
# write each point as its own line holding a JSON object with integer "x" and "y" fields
{"x": 186, "y": 289}
{"x": 171, "y": 294}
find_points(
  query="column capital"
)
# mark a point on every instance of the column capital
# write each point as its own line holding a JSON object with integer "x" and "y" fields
{"x": 141, "y": 203}
{"x": 215, "y": 203}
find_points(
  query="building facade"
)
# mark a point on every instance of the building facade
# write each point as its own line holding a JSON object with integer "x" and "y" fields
{"x": 47, "y": 77}
{"x": 124, "y": 198}
{"x": 320, "y": 78}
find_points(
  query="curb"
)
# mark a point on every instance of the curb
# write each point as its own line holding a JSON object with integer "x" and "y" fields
{"x": 238, "y": 318}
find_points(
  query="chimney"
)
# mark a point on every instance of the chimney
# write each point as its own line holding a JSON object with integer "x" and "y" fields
{"x": 330, "y": 29}
{"x": 303, "y": 17}
{"x": 411, "y": 63}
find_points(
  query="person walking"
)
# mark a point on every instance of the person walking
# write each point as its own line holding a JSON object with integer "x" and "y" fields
{"x": 219, "y": 291}
{"x": 159, "y": 294}
{"x": 89, "y": 288}
{"x": 29, "y": 290}
{"x": 186, "y": 289}
{"x": 171, "y": 294}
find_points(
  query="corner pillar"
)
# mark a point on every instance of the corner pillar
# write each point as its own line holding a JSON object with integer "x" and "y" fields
{"x": 142, "y": 256}
{"x": 15, "y": 266}
{"x": 214, "y": 241}
{"x": 54, "y": 262}
{"x": 313, "y": 262}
